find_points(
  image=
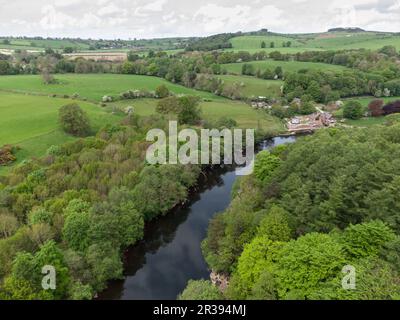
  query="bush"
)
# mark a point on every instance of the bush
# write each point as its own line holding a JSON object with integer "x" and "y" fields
{"x": 74, "y": 120}
{"x": 162, "y": 92}
{"x": 353, "y": 110}
{"x": 200, "y": 290}
{"x": 7, "y": 155}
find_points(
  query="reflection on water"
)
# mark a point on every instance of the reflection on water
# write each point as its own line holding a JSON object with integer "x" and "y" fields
{"x": 160, "y": 266}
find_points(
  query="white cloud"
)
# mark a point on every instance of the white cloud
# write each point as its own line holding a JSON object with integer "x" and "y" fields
{"x": 142, "y": 18}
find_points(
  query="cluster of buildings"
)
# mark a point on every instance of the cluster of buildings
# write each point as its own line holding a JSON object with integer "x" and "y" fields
{"x": 312, "y": 122}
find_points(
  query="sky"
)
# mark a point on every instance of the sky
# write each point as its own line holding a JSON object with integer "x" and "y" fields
{"x": 128, "y": 19}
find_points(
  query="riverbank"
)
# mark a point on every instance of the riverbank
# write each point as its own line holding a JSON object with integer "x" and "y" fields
{"x": 160, "y": 265}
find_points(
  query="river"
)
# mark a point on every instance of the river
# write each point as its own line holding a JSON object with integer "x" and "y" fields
{"x": 159, "y": 267}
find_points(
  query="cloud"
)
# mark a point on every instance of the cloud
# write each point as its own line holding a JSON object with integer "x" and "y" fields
{"x": 145, "y": 19}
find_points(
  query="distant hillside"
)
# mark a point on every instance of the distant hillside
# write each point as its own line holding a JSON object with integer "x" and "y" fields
{"x": 350, "y": 30}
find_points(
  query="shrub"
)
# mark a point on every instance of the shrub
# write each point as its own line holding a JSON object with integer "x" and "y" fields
{"x": 7, "y": 155}
{"x": 74, "y": 120}
{"x": 200, "y": 290}
{"x": 353, "y": 110}
{"x": 162, "y": 92}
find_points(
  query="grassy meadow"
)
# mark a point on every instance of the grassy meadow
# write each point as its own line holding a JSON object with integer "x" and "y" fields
{"x": 29, "y": 115}
{"x": 320, "y": 41}
{"x": 252, "y": 86}
{"x": 31, "y": 122}
{"x": 369, "y": 121}
{"x": 245, "y": 116}
{"x": 91, "y": 86}
{"x": 287, "y": 66}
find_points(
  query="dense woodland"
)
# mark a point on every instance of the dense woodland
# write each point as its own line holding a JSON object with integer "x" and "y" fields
{"x": 311, "y": 208}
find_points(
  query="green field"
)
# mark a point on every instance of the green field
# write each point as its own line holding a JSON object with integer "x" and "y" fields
{"x": 252, "y": 86}
{"x": 32, "y": 44}
{"x": 320, "y": 41}
{"x": 254, "y": 42}
{"x": 92, "y": 86}
{"x": 31, "y": 122}
{"x": 343, "y": 41}
{"x": 369, "y": 121}
{"x": 287, "y": 66}
{"x": 245, "y": 116}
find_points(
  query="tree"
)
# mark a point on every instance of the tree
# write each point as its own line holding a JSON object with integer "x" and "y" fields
{"x": 50, "y": 255}
{"x": 200, "y": 290}
{"x": 306, "y": 263}
{"x": 353, "y": 110}
{"x": 74, "y": 120}
{"x": 275, "y": 225}
{"x": 263, "y": 45}
{"x": 257, "y": 258}
{"x": 5, "y": 67}
{"x": 366, "y": 240}
{"x": 105, "y": 263}
{"x": 265, "y": 288}
{"x": 132, "y": 56}
{"x": 46, "y": 65}
{"x": 8, "y": 225}
{"x": 190, "y": 112}
{"x": 81, "y": 291}
{"x": 162, "y": 91}
{"x": 307, "y": 107}
{"x": 169, "y": 105}
{"x": 375, "y": 108}
{"x": 40, "y": 215}
{"x": 75, "y": 230}
{"x": 272, "y": 45}
{"x": 279, "y": 72}
{"x": 265, "y": 165}
{"x": 69, "y": 50}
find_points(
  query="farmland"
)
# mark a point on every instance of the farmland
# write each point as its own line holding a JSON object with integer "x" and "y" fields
{"x": 316, "y": 42}
{"x": 287, "y": 66}
{"x": 91, "y": 86}
{"x": 245, "y": 116}
{"x": 29, "y": 110}
{"x": 252, "y": 86}
{"x": 31, "y": 122}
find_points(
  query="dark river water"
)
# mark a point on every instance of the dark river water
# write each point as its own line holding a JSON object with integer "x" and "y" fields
{"x": 159, "y": 267}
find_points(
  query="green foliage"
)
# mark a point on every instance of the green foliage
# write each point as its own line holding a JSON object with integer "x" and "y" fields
{"x": 20, "y": 289}
{"x": 105, "y": 263}
{"x": 365, "y": 240}
{"x": 257, "y": 258}
{"x": 75, "y": 230}
{"x": 334, "y": 179}
{"x": 200, "y": 290}
{"x": 264, "y": 288}
{"x": 189, "y": 112}
{"x": 265, "y": 165}
{"x": 40, "y": 215}
{"x": 74, "y": 120}
{"x": 162, "y": 91}
{"x": 353, "y": 110}
{"x": 375, "y": 280}
{"x": 81, "y": 292}
{"x": 275, "y": 225}
{"x": 229, "y": 232}
{"x": 307, "y": 262}
{"x": 8, "y": 225}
